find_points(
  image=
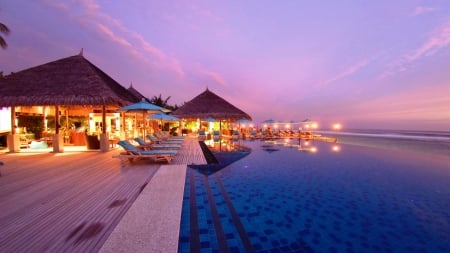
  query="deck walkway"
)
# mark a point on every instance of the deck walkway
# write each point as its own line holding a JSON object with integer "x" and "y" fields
{"x": 71, "y": 201}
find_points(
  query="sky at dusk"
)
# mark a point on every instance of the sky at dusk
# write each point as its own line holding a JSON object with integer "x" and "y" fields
{"x": 366, "y": 64}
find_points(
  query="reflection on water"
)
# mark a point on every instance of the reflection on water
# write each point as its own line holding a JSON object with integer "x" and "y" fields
{"x": 301, "y": 144}
{"x": 224, "y": 145}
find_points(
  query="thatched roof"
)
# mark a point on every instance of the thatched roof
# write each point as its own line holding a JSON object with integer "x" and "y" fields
{"x": 68, "y": 81}
{"x": 137, "y": 94}
{"x": 208, "y": 104}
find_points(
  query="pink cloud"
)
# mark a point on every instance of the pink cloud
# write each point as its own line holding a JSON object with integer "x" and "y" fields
{"x": 216, "y": 77}
{"x": 439, "y": 38}
{"x": 115, "y": 31}
{"x": 108, "y": 32}
{"x": 147, "y": 47}
{"x": 90, "y": 5}
{"x": 176, "y": 66}
{"x": 419, "y": 10}
{"x": 56, "y": 4}
{"x": 424, "y": 103}
{"x": 162, "y": 59}
{"x": 349, "y": 71}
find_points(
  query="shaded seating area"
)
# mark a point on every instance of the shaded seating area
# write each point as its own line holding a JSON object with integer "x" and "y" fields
{"x": 35, "y": 100}
{"x": 132, "y": 153}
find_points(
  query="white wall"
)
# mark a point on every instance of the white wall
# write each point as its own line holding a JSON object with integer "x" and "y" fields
{"x": 5, "y": 119}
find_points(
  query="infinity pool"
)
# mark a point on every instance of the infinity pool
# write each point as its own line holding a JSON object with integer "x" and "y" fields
{"x": 319, "y": 198}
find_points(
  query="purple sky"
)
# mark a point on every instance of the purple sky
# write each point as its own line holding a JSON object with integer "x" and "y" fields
{"x": 365, "y": 64}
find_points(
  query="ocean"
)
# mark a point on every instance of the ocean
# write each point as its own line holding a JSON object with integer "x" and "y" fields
{"x": 430, "y": 142}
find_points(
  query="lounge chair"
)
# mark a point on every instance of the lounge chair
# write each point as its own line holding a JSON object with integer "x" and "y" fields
{"x": 150, "y": 145}
{"x": 156, "y": 140}
{"x": 167, "y": 136}
{"x": 143, "y": 144}
{"x": 236, "y": 134}
{"x": 132, "y": 152}
{"x": 201, "y": 135}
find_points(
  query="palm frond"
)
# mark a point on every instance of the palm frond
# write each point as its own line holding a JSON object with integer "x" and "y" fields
{"x": 4, "y": 29}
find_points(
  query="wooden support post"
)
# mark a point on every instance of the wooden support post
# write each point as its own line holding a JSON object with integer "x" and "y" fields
{"x": 104, "y": 140}
{"x": 13, "y": 138}
{"x": 58, "y": 139}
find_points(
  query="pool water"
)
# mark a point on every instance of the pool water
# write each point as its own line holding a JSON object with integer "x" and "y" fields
{"x": 319, "y": 198}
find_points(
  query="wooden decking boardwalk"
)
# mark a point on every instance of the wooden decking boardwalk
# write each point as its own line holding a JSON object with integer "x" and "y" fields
{"x": 71, "y": 201}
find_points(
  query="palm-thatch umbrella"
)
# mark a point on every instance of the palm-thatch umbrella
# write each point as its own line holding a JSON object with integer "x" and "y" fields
{"x": 209, "y": 105}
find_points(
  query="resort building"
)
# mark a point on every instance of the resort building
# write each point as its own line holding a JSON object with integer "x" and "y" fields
{"x": 63, "y": 103}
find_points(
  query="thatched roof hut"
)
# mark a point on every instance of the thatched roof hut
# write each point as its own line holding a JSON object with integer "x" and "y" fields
{"x": 71, "y": 81}
{"x": 210, "y": 105}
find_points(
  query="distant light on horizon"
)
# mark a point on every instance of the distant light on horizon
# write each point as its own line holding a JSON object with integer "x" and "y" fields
{"x": 337, "y": 126}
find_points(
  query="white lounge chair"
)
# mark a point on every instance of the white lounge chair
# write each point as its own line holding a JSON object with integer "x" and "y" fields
{"x": 132, "y": 152}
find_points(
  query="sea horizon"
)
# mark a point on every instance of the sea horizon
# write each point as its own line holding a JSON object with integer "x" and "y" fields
{"x": 425, "y": 142}
{"x": 400, "y": 133}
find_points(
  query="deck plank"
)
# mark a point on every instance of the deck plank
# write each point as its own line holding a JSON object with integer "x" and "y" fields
{"x": 71, "y": 201}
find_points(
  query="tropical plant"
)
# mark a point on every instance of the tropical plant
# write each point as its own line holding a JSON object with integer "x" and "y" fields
{"x": 159, "y": 101}
{"x": 5, "y": 30}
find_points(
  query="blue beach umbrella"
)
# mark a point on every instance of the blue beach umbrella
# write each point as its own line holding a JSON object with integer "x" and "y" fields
{"x": 270, "y": 121}
{"x": 143, "y": 107}
{"x": 162, "y": 116}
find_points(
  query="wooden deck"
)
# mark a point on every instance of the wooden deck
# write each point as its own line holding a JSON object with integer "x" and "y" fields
{"x": 71, "y": 201}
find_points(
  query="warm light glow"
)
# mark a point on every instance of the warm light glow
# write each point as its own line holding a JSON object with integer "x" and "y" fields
{"x": 287, "y": 126}
{"x": 314, "y": 149}
{"x": 337, "y": 126}
{"x": 307, "y": 126}
{"x": 5, "y": 119}
{"x": 276, "y": 126}
{"x": 251, "y": 125}
{"x": 265, "y": 125}
{"x": 336, "y": 148}
{"x": 306, "y": 143}
{"x": 314, "y": 125}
